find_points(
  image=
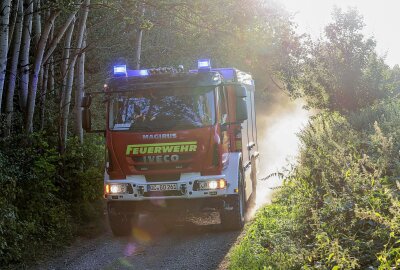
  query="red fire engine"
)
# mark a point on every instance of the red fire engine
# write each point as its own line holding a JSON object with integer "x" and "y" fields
{"x": 179, "y": 141}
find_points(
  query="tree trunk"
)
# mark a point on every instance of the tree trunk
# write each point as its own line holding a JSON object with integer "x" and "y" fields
{"x": 45, "y": 88}
{"x": 64, "y": 70}
{"x": 14, "y": 55}
{"x": 33, "y": 81}
{"x": 13, "y": 19}
{"x": 55, "y": 41}
{"x": 43, "y": 95}
{"x": 37, "y": 24}
{"x": 139, "y": 35}
{"x": 4, "y": 28}
{"x": 66, "y": 95}
{"x": 51, "y": 77}
{"x": 80, "y": 88}
{"x": 24, "y": 55}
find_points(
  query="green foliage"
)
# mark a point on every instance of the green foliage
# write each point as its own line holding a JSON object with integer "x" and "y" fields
{"x": 38, "y": 204}
{"x": 342, "y": 71}
{"x": 339, "y": 208}
{"x": 34, "y": 214}
{"x": 255, "y": 36}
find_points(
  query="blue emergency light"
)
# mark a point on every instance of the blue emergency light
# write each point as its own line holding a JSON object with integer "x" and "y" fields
{"x": 204, "y": 64}
{"x": 120, "y": 70}
{"x": 138, "y": 73}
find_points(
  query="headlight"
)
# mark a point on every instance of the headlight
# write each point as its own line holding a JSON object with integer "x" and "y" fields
{"x": 116, "y": 188}
{"x": 213, "y": 184}
{"x": 210, "y": 184}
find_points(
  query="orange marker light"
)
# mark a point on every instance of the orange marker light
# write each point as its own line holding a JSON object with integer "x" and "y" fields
{"x": 107, "y": 189}
{"x": 222, "y": 183}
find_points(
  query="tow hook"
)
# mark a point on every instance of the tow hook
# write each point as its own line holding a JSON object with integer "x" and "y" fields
{"x": 227, "y": 206}
{"x": 183, "y": 189}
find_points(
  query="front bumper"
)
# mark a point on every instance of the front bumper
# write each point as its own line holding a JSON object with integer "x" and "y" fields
{"x": 138, "y": 189}
{"x": 169, "y": 206}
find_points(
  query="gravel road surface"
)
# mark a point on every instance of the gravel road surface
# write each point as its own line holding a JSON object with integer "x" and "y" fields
{"x": 155, "y": 244}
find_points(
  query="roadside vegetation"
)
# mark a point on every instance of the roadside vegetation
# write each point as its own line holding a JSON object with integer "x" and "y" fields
{"x": 339, "y": 206}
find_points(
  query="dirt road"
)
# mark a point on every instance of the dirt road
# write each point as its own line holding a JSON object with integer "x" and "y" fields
{"x": 200, "y": 243}
{"x": 152, "y": 246}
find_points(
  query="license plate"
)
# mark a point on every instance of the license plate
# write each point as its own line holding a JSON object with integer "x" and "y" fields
{"x": 162, "y": 187}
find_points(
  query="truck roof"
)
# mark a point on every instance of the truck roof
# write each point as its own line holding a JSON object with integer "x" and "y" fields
{"x": 135, "y": 79}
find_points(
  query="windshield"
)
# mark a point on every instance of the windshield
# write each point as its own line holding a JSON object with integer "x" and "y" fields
{"x": 162, "y": 109}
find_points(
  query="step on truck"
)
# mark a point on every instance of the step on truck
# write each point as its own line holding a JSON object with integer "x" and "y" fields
{"x": 178, "y": 141}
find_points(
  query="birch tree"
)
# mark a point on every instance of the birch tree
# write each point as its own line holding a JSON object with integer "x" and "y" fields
{"x": 37, "y": 24}
{"x": 4, "y": 29}
{"x": 34, "y": 78}
{"x": 13, "y": 19}
{"x": 66, "y": 56}
{"x": 66, "y": 95}
{"x": 60, "y": 33}
{"x": 80, "y": 86}
{"x": 24, "y": 54}
{"x": 14, "y": 57}
{"x": 139, "y": 35}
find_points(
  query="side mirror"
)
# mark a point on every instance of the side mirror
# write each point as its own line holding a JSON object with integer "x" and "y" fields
{"x": 240, "y": 91}
{"x": 87, "y": 119}
{"x": 86, "y": 101}
{"x": 241, "y": 110}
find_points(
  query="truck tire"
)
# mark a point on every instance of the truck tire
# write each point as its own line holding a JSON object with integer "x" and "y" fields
{"x": 234, "y": 219}
{"x": 120, "y": 224}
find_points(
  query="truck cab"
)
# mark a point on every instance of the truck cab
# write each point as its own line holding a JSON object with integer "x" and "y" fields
{"x": 179, "y": 141}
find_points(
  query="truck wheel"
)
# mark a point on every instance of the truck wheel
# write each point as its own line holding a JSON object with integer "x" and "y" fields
{"x": 234, "y": 219}
{"x": 120, "y": 224}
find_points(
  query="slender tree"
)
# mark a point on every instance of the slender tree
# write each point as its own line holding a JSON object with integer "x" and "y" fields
{"x": 66, "y": 95}
{"x": 37, "y": 65}
{"x": 37, "y": 22}
{"x": 13, "y": 19}
{"x": 14, "y": 57}
{"x": 45, "y": 87}
{"x": 80, "y": 88}
{"x": 139, "y": 35}
{"x": 4, "y": 28}
{"x": 24, "y": 54}
{"x": 60, "y": 33}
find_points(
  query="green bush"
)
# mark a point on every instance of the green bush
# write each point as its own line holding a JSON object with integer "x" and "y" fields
{"x": 39, "y": 200}
{"x": 339, "y": 208}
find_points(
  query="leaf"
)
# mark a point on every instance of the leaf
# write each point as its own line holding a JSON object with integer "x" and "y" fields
{"x": 330, "y": 256}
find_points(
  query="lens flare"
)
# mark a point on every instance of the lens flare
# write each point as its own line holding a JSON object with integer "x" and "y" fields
{"x": 141, "y": 235}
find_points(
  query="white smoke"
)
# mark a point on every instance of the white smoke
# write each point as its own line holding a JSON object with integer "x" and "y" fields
{"x": 279, "y": 119}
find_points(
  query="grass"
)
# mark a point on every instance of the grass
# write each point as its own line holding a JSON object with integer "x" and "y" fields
{"x": 339, "y": 207}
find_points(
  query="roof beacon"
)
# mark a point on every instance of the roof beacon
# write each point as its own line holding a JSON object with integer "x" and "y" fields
{"x": 120, "y": 71}
{"x": 204, "y": 65}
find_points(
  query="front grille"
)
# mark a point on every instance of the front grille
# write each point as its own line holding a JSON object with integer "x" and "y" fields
{"x": 162, "y": 177}
{"x": 143, "y": 163}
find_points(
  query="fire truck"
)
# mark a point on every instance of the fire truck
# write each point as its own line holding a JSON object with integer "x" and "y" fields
{"x": 178, "y": 141}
